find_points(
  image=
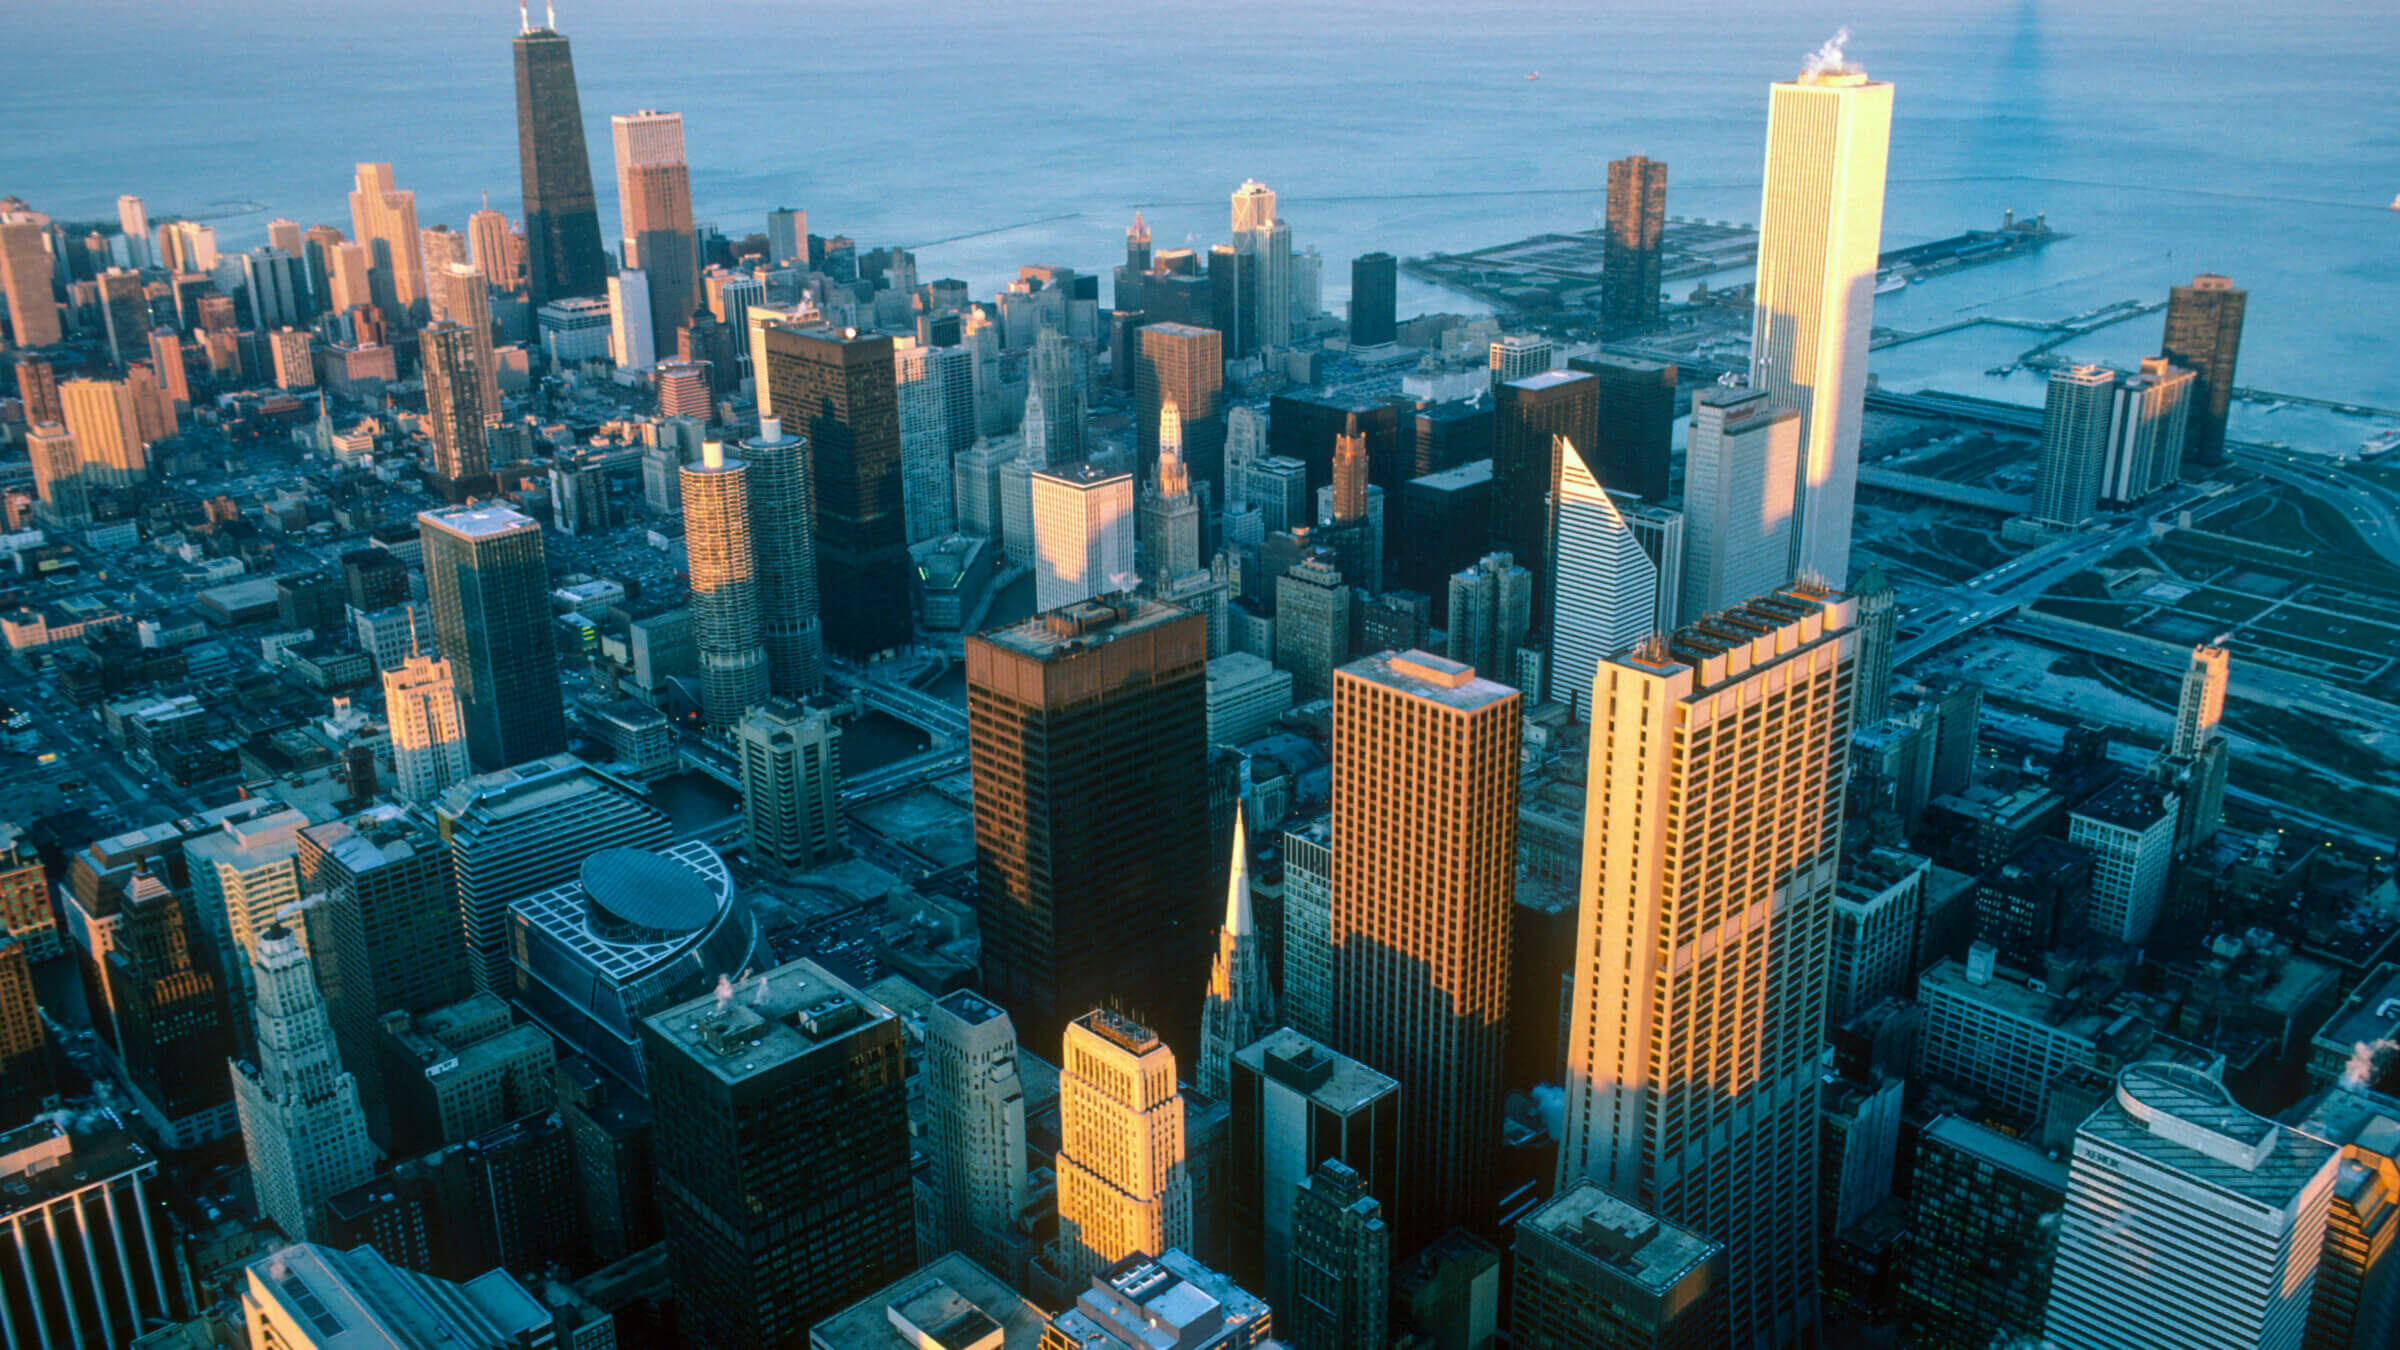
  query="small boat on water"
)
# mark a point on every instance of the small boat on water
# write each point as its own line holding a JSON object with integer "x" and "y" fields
{"x": 1537, "y": 75}
{"x": 2377, "y": 446}
{"x": 1885, "y": 285}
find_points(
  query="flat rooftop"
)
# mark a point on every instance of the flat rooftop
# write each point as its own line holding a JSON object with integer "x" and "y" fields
{"x": 950, "y": 1302}
{"x": 1437, "y": 679}
{"x": 1624, "y": 1238}
{"x": 2127, "y": 804}
{"x": 2001, "y": 1151}
{"x": 1084, "y": 624}
{"x": 767, "y": 1021}
{"x": 2371, "y": 1014}
{"x": 1332, "y": 1081}
{"x": 1467, "y": 475}
{"x": 2182, "y": 1119}
{"x": 479, "y": 522}
{"x": 1548, "y": 379}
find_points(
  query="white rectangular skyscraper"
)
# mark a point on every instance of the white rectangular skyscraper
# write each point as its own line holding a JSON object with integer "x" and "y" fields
{"x": 1820, "y": 225}
{"x": 1083, "y": 534}
{"x": 1737, "y": 499}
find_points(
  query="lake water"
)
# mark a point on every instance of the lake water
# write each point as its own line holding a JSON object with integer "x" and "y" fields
{"x": 2259, "y": 141}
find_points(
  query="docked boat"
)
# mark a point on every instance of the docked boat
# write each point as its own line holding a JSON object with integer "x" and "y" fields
{"x": 2384, "y": 444}
{"x": 1896, "y": 281}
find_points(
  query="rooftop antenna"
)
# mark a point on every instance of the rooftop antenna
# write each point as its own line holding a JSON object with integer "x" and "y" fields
{"x": 550, "y": 15}
{"x": 413, "y": 649}
{"x": 524, "y": 23}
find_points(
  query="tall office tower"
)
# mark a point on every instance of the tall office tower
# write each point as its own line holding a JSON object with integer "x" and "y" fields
{"x": 791, "y": 785}
{"x": 1297, "y": 1104}
{"x": 2146, "y": 437}
{"x": 2076, "y": 414}
{"x": 562, "y": 225}
{"x": 302, "y": 1125}
{"x": 1595, "y": 1272}
{"x": 525, "y": 829}
{"x": 25, "y": 1077}
{"x": 153, "y": 413}
{"x": 166, "y": 359}
{"x": 1692, "y": 1071}
{"x": 1739, "y": 465}
{"x": 441, "y": 246}
{"x": 455, "y": 413}
{"x": 2204, "y": 335}
{"x": 349, "y": 278}
{"x": 632, "y": 344}
{"x": 243, "y": 872}
{"x": 1137, "y": 249}
{"x": 837, "y": 390}
{"x": 1637, "y": 226}
{"x": 165, "y": 991}
{"x": 1374, "y": 299}
{"x": 1340, "y": 1271}
{"x": 84, "y": 1226}
{"x": 2357, "y": 1300}
{"x": 1308, "y": 929}
{"x": 1277, "y": 490}
{"x": 292, "y": 352}
{"x": 1245, "y": 445}
{"x": 1167, "y": 537}
{"x": 925, "y": 470}
{"x": 975, "y": 1127}
{"x": 1241, "y": 1001}
{"x": 461, "y": 294}
{"x": 1821, "y": 222}
{"x": 58, "y": 478}
{"x": 1956, "y": 1296}
{"x": 429, "y": 736}
{"x": 1529, "y": 416}
{"x": 684, "y": 387}
{"x": 1187, "y": 364}
{"x": 1123, "y": 1183}
{"x": 489, "y": 592}
{"x": 1268, "y": 242}
{"x": 1608, "y": 595}
{"x": 1083, "y": 535}
{"x": 1635, "y": 451}
{"x": 1878, "y": 621}
{"x": 108, "y": 440}
{"x": 1093, "y": 884}
{"x": 1054, "y": 433}
{"x": 799, "y": 1076}
{"x": 25, "y": 270}
{"x": 726, "y": 624}
{"x": 2201, "y": 705}
{"x": 188, "y": 246}
{"x": 2189, "y": 1218}
{"x": 783, "y": 531}
{"x": 787, "y": 235}
{"x": 654, "y": 210}
{"x": 1519, "y": 356}
{"x": 1424, "y": 865}
{"x": 125, "y": 313}
{"x": 491, "y": 247}
{"x": 1172, "y": 1298}
{"x": 134, "y": 221}
{"x": 383, "y": 219}
{"x": 1491, "y": 607}
{"x": 1349, "y": 475}
{"x": 312, "y": 1297}
{"x": 37, "y": 387}
{"x": 2130, "y": 830}
{"x": 316, "y": 263}
{"x": 1312, "y": 624}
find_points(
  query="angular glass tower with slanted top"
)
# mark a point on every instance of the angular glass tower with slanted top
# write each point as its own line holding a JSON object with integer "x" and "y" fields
{"x": 562, "y": 223}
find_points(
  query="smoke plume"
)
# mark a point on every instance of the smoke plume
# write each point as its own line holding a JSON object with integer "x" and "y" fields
{"x": 1830, "y": 59}
{"x": 2366, "y": 1063}
{"x": 1551, "y": 1102}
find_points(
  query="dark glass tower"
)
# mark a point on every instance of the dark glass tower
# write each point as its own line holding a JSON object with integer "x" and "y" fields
{"x": 837, "y": 391}
{"x": 2204, "y": 334}
{"x": 1637, "y": 224}
{"x": 489, "y": 588}
{"x": 1098, "y": 884}
{"x": 1634, "y": 451}
{"x": 1374, "y": 299}
{"x": 562, "y": 225}
{"x": 1528, "y": 416}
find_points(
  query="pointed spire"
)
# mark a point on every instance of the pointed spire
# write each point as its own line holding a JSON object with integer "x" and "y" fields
{"x": 1239, "y": 923}
{"x": 524, "y": 20}
{"x": 1240, "y": 1006}
{"x": 550, "y": 15}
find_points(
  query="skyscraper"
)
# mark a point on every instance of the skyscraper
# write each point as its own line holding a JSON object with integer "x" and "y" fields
{"x": 2129, "y": 829}
{"x": 1610, "y": 592}
{"x": 1820, "y": 225}
{"x": 1597, "y": 1273}
{"x": 489, "y": 591}
{"x": 242, "y": 874}
{"x": 134, "y": 221}
{"x": 99, "y": 414}
{"x": 2204, "y": 335}
{"x": 2201, "y": 705}
{"x": 1637, "y": 224}
{"x": 1737, "y": 499}
{"x": 1241, "y": 998}
{"x": 1297, "y": 1105}
{"x": 1094, "y": 884}
{"x": 125, "y": 312}
{"x": 1312, "y": 623}
{"x": 654, "y": 211}
{"x": 1529, "y": 416}
{"x": 975, "y": 1127}
{"x": 1519, "y": 356}
{"x": 791, "y": 785}
{"x": 632, "y": 343}
{"x": 838, "y": 390}
{"x": 1635, "y": 452}
{"x": 1491, "y": 607}
{"x": 86, "y": 1223}
{"x": 783, "y": 531}
{"x": 1374, "y": 299}
{"x": 1692, "y": 1071}
{"x": 2147, "y": 431}
{"x": 1341, "y": 1264}
{"x": 429, "y": 737}
{"x": 312, "y": 1297}
{"x": 1054, "y": 403}
{"x": 1123, "y": 1182}
{"x": 562, "y": 225}
{"x": 1083, "y": 534}
{"x": 491, "y": 247}
{"x": 2189, "y": 1218}
{"x": 925, "y": 469}
{"x": 725, "y": 613}
{"x": 1167, "y": 537}
{"x": 25, "y": 275}
{"x": 2075, "y": 433}
{"x": 780, "y": 1117}
{"x": 383, "y": 219}
{"x": 1878, "y": 623}
{"x": 455, "y": 413}
{"x": 787, "y": 235}
{"x": 1424, "y": 866}
{"x": 1186, "y": 364}
{"x": 1258, "y": 232}
{"x": 462, "y": 295}
{"x": 58, "y": 475}
{"x": 302, "y": 1125}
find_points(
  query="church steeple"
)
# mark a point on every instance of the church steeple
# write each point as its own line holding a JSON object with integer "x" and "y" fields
{"x": 1241, "y": 1002}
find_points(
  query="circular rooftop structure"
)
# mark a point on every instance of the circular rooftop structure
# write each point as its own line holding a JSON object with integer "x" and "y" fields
{"x": 636, "y": 895}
